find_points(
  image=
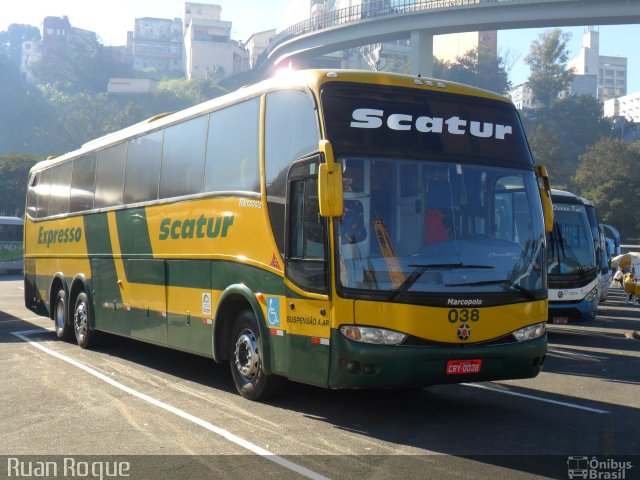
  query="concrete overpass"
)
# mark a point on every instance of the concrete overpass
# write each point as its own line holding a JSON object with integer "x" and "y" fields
{"x": 422, "y": 19}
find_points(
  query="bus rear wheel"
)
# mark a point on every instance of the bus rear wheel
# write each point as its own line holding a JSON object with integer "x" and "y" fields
{"x": 82, "y": 321}
{"x": 62, "y": 325}
{"x": 247, "y": 360}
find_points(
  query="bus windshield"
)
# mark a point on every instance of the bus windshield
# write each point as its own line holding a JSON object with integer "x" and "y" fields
{"x": 425, "y": 226}
{"x": 571, "y": 244}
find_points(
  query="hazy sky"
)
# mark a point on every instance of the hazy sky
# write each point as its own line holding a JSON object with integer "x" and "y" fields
{"x": 112, "y": 18}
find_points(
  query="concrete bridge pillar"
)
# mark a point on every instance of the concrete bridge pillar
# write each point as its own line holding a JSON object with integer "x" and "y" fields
{"x": 422, "y": 53}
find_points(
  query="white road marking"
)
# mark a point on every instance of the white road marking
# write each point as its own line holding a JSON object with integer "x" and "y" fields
{"x": 575, "y": 354}
{"x": 176, "y": 411}
{"x": 539, "y": 399}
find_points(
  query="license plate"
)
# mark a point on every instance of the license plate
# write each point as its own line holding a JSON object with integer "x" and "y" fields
{"x": 560, "y": 320}
{"x": 463, "y": 367}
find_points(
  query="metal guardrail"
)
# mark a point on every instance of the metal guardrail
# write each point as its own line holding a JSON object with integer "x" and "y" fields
{"x": 373, "y": 9}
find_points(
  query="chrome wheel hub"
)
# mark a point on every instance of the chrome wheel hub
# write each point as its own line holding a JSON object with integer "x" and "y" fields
{"x": 59, "y": 314}
{"x": 246, "y": 356}
{"x": 80, "y": 319}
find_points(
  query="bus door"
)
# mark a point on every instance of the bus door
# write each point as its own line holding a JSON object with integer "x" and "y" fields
{"x": 306, "y": 268}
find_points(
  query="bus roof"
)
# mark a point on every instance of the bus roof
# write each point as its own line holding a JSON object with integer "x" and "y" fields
{"x": 568, "y": 197}
{"x": 285, "y": 79}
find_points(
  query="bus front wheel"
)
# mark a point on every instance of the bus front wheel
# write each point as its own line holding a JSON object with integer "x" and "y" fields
{"x": 82, "y": 320}
{"x": 246, "y": 360}
{"x": 62, "y": 325}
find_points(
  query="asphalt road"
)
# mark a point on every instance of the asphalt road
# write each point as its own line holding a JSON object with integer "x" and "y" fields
{"x": 131, "y": 410}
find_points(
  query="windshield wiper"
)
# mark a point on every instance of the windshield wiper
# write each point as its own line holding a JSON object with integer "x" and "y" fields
{"x": 505, "y": 283}
{"x": 420, "y": 269}
{"x": 560, "y": 244}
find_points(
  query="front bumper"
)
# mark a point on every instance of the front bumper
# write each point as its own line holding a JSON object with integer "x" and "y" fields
{"x": 360, "y": 365}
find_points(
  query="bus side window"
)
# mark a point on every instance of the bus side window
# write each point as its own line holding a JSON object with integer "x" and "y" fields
{"x": 60, "y": 189}
{"x": 232, "y": 162}
{"x": 291, "y": 132}
{"x": 183, "y": 152}
{"x": 32, "y": 195}
{"x": 110, "y": 176}
{"x": 142, "y": 171}
{"x": 83, "y": 179}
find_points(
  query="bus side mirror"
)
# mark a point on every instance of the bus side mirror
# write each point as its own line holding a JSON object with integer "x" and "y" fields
{"x": 329, "y": 183}
{"x": 545, "y": 196}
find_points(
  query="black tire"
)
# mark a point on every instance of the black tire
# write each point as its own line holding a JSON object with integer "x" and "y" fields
{"x": 64, "y": 329}
{"x": 246, "y": 360}
{"x": 83, "y": 321}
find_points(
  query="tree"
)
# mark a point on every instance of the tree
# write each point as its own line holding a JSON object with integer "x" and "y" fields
{"x": 82, "y": 117}
{"x": 80, "y": 69}
{"x": 547, "y": 61}
{"x": 11, "y": 40}
{"x": 14, "y": 171}
{"x": 479, "y": 68}
{"x": 21, "y": 111}
{"x": 564, "y": 133}
{"x": 546, "y": 147}
{"x": 608, "y": 176}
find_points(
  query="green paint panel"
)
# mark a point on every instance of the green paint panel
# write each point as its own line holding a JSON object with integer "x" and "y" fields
{"x": 104, "y": 277}
{"x": 279, "y": 356}
{"x": 308, "y": 362}
{"x": 225, "y": 273}
{"x": 151, "y": 325}
{"x": 188, "y": 332}
{"x": 133, "y": 232}
{"x": 110, "y": 314}
{"x": 96, "y": 228}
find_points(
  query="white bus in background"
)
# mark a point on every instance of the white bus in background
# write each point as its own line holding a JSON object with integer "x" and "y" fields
{"x": 11, "y": 232}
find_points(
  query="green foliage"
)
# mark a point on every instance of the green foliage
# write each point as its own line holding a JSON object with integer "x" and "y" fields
{"x": 177, "y": 94}
{"x": 11, "y": 40}
{"x": 14, "y": 171}
{"x": 547, "y": 60}
{"x": 608, "y": 176}
{"x": 559, "y": 137}
{"x": 21, "y": 111}
{"x": 82, "y": 117}
{"x": 84, "y": 70}
{"x": 479, "y": 68}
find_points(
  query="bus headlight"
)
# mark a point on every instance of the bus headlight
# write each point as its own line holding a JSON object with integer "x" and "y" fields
{"x": 591, "y": 295}
{"x": 530, "y": 332}
{"x": 378, "y": 336}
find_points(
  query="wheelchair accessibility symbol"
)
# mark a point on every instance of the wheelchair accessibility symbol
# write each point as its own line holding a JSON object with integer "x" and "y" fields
{"x": 273, "y": 311}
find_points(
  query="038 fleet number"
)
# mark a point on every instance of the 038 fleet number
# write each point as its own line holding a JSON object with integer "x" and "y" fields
{"x": 463, "y": 315}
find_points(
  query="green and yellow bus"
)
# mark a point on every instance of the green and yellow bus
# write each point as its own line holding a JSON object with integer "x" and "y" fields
{"x": 339, "y": 228}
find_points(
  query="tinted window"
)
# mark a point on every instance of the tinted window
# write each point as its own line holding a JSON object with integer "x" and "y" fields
{"x": 386, "y": 120}
{"x": 43, "y": 188}
{"x": 305, "y": 264}
{"x": 232, "y": 151}
{"x": 183, "y": 158}
{"x": 143, "y": 168}
{"x": 291, "y": 132}
{"x": 82, "y": 183}
{"x": 110, "y": 176}
{"x": 11, "y": 233}
{"x": 32, "y": 197}
{"x": 60, "y": 186}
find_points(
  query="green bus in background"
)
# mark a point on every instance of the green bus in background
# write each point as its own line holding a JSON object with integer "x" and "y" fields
{"x": 11, "y": 232}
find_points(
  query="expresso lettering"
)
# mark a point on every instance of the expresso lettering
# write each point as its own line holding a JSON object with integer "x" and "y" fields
{"x": 57, "y": 236}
